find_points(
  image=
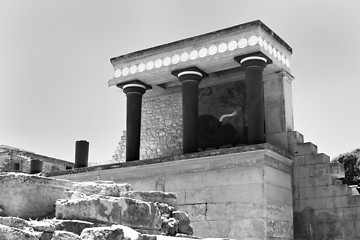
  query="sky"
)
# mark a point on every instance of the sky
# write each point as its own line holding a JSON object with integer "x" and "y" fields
{"x": 55, "y": 65}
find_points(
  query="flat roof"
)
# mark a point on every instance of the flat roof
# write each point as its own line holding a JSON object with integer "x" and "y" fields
{"x": 211, "y": 52}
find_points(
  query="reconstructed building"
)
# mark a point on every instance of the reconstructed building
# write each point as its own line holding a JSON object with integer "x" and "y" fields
{"x": 210, "y": 118}
{"x": 19, "y": 160}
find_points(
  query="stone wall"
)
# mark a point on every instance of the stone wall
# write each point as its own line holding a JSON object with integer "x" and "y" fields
{"x": 8, "y": 161}
{"x": 324, "y": 208}
{"x": 161, "y": 126}
{"x": 241, "y": 193}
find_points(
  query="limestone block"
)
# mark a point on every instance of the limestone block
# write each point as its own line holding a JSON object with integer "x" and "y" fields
{"x": 30, "y": 196}
{"x": 114, "y": 232}
{"x": 184, "y": 222}
{"x": 248, "y": 228}
{"x": 196, "y": 212}
{"x": 169, "y": 226}
{"x": 43, "y": 226}
{"x": 295, "y": 137}
{"x": 15, "y": 222}
{"x": 153, "y": 196}
{"x": 279, "y": 229}
{"x": 130, "y": 212}
{"x": 212, "y": 228}
{"x": 74, "y": 226}
{"x": 63, "y": 235}
{"x": 10, "y": 233}
{"x": 317, "y": 158}
{"x": 247, "y": 210}
{"x": 165, "y": 209}
{"x": 104, "y": 188}
{"x": 218, "y": 211}
{"x": 303, "y": 148}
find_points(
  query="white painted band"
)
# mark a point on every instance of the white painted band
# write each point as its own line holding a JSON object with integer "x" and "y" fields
{"x": 190, "y": 72}
{"x": 253, "y": 58}
{"x": 134, "y": 85}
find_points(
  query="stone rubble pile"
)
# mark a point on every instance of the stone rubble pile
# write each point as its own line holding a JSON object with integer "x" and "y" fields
{"x": 101, "y": 210}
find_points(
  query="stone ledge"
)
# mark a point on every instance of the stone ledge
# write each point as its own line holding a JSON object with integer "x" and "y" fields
{"x": 217, "y": 152}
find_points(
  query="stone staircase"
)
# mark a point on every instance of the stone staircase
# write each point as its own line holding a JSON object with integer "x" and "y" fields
{"x": 320, "y": 200}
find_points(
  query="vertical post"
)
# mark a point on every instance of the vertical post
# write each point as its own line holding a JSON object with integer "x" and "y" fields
{"x": 81, "y": 153}
{"x": 190, "y": 79}
{"x": 254, "y": 66}
{"x": 36, "y": 166}
{"x": 134, "y": 91}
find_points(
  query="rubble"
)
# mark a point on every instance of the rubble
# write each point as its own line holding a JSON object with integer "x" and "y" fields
{"x": 40, "y": 208}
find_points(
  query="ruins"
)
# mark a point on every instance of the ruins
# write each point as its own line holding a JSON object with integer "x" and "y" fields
{"x": 209, "y": 119}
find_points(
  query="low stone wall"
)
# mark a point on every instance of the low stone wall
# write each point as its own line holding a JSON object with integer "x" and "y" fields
{"x": 227, "y": 192}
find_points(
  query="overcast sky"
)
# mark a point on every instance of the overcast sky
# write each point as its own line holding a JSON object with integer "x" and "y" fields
{"x": 55, "y": 64}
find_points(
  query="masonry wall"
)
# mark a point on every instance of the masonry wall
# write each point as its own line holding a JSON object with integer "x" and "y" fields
{"x": 8, "y": 161}
{"x": 227, "y": 193}
{"x": 324, "y": 208}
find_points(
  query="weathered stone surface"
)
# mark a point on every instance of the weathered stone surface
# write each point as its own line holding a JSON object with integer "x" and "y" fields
{"x": 184, "y": 222}
{"x": 74, "y": 226}
{"x": 170, "y": 226}
{"x": 153, "y": 196}
{"x": 43, "y": 226}
{"x": 162, "y": 237}
{"x": 165, "y": 209}
{"x": 63, "y": 235}
{"x": 15, "y": 222}
{"x": 120, "y": 210}
{"x": 114, "y": 232}
{"x": 104, "y": 188}
{"x": 29, "y": 196}
{"x": 9, "y": 233}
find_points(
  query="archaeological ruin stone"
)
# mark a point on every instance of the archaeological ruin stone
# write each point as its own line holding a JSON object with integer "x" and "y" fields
{"x": 104, "y": 188}
{"x": 30, "y": 196}
{"x": 118, "y": 210}
{"x": 153, "y": 196}
{"x": 10, "y": 233}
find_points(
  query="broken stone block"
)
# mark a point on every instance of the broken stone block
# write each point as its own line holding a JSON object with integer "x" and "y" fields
{"x": 16, "y": 222}
{"x": 63, "y": 235}
{"x": 120, "y": 210}
{"x": 169, "y": 226}
{"x": 43, "y": 226}
{"x": 165, "y": 209}
{"x": 153, "y": 196}
{"x": 184, "y": 222}
{"x": 10, "y": 233}
{"x": 113, "y": 232}
{"x": 74, "y": 226}
{"x": 30, "y": 196}
{"x": 103, "y": 188}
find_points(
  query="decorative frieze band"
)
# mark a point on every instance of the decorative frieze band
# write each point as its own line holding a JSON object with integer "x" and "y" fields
{"x": 203, "y": 53}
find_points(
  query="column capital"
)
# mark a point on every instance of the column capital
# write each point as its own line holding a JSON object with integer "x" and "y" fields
{"x": 189, "y": 74}
{"x": 134, "y": 86}
{"x": 256, "y": 59}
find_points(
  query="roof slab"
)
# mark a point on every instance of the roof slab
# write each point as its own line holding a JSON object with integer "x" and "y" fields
{"x": 212, "y": 52}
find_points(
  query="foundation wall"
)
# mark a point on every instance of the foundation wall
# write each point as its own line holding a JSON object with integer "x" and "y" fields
{"x": 246, "y": 195}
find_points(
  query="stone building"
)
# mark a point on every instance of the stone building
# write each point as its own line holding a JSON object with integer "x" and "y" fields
{"x": 18, "y": 160}
{"x": 210, "y": 118}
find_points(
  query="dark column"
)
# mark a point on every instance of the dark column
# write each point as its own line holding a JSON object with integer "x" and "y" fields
{"x": 134, "y": 91}
{"x": 81, "y": 153}
{"x": 254, "y": 66}
{"x": 190, "y": 79}
{"x": 36, "y": 166}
